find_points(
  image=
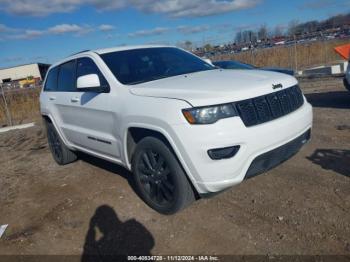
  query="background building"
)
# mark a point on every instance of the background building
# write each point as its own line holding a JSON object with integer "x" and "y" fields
{"x": 23, "y": 75}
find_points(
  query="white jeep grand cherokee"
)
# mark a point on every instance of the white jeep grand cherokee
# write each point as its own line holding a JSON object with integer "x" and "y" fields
{"x": 183, "y": 127}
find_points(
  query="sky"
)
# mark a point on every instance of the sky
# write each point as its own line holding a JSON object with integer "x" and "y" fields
{"x": 46, "y": 31}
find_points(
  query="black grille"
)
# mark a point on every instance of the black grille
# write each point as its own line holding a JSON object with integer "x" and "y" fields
{"x": 265, "y": 108}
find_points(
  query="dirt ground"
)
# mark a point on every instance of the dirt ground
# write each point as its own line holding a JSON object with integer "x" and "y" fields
{"x": 300, "y": 207}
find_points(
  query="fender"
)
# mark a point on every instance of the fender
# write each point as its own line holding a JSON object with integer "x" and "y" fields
{"x": 169, "y": 139}
{"x": 60, "y": 133}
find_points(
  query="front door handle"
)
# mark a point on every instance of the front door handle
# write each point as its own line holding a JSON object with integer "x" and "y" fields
{"x": 74, "y": 100}
{"x": 52, "y": 98}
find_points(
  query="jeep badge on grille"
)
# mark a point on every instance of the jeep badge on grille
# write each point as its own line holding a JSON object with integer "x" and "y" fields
{"x": 277, "y": 86}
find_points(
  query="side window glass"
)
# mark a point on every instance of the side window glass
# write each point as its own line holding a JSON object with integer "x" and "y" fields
{"x": 51, "y": 81}
{"x": 66, "y": 77}
{"x": 87, "y": 66}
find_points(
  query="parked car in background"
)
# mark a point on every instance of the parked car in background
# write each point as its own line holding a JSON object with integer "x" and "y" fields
{"x": 232, "y": 64}
{"x": 287, "y": 71}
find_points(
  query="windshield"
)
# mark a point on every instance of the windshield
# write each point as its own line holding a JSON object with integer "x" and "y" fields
{"x": 136, "y": 66}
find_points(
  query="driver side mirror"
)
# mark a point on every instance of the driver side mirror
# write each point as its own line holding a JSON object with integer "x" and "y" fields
{"x": 91, "y": 81}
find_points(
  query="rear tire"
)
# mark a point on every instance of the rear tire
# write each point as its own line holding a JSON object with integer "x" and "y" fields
{"x": 60, "y": 152}
{"x": 159, "y": 177}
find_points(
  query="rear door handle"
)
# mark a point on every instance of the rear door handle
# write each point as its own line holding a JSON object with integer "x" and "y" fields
{"x": 74, "y": 100}
{"x": 52, "y": 98}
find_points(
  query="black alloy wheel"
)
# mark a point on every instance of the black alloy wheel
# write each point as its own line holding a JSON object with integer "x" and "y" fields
{"x": 155, "y": 177}
{"x": 55, "y": 144}
{"x": 60, "y": 152}
{"x": 159, "y": 178}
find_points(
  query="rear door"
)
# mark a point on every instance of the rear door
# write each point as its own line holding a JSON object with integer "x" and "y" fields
{"x": 48, "y": 94}
{"x": 61, "y": 98}
{"x": 59, "y": 85}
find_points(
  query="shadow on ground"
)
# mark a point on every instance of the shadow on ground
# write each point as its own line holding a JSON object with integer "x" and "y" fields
{"x": 336, "y": 99}
{"x": 109, "y": 239}
{"x": 332, "y": 159}
{"x": 104, "y": 164}
{"x": 111, "y": 167}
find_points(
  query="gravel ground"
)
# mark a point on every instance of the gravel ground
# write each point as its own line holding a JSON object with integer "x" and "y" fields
{"x": 301, "y": 207}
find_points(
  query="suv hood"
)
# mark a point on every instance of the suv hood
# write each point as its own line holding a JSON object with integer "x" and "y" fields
{"x": 215, "y": 86}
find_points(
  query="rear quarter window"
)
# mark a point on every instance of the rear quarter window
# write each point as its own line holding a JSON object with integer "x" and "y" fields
{"x": 51, "y": 81}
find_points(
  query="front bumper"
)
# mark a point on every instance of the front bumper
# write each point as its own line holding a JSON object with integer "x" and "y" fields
{"x": 273, "y": 158}
{"x": 209, "y": 176}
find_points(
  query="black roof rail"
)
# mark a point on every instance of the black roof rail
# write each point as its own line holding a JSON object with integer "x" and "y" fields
{"x": 80, "y": 52}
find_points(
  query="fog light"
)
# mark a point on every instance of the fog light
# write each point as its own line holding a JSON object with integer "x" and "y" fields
{"x": 223, "y": 153}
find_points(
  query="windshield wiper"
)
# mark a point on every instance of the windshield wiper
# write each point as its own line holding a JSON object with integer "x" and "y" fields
{"x": 148, "y": 80}
{"x": 154, "y": 78}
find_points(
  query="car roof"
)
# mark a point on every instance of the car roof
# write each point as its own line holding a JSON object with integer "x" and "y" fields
{"x": 105, "y": 51}
{"x": 124, "y": 48}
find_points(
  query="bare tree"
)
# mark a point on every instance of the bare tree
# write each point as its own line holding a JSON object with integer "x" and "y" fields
{"x": 249, "y": 36}
{"x": 239, "y": 37}
{"x": 293, "y": 28}
{"x": 208, "y": 47}
{"x": 278, "y": 31}
{"x": 263, "y": 32}
{"x": 188, "y": 45}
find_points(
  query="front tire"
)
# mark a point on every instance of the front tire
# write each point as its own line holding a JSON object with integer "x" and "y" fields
{"x": 159, "y": 178}
{"x": 60, "y": 152}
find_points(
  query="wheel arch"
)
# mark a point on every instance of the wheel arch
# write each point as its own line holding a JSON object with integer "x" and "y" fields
{"x": 135, "y": 133}
{"x": 50, "y": 119}
{"x": 46, "y": 118}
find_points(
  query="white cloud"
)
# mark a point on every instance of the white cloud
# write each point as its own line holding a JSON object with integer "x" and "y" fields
{"x": 33, "y": 33}
{"x": 6, "y": 29}
{"x": 105, "y": 5}
{"x": 17, "y": 33}
{"x": 321, "y": 4}
{"x": 65, "y": 28}
{"x": 194, "y": 8}
{"x": 3, "y": 28}
{"x": 27, "y": 34}
{"x": 151, "y": 32}
{"x": 193, "y": 29}
{"x": 106, "y": 28}
{"x": 39, "y": 8}
{"x": 15, "y": 59}
{"x": 75, "y": 29}
{"x": 173, "y": 8}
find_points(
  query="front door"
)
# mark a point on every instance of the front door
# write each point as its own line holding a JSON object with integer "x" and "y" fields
{"x": 85, "y": 115}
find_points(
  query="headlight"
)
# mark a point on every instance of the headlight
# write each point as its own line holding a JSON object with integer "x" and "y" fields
{"x": 209, "y": 114}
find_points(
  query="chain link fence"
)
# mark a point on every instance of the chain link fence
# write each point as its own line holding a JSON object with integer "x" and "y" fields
{"x": 18, "y": 105}
{"x": 297, "y": 56}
